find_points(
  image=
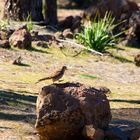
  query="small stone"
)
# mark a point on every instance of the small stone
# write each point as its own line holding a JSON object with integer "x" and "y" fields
{"x": 93, "y": 134}
{"x": 4, "y": 44}
{"x": 137, "y": 60}
{"x": 21, "y": 38}
{"x": 105, "y": 90}
{"x": 34, "y": 33}
{"x": 42, "y": 44}
{"x": 5, "y": 34}
{"x": 67, "y": 33}
{"x": 59, "y": 35}
{"x": 17, "y": 61}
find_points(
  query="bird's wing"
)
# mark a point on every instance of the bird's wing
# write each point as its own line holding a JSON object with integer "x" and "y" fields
{"x": 55, "y": 74}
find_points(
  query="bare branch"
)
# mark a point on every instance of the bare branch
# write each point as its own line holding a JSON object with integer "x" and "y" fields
{"x": 79, "y": 46}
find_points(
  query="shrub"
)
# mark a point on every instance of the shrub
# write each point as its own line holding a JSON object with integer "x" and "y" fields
{"x": 29, "y": 23}
{"x": 98, "y": 35}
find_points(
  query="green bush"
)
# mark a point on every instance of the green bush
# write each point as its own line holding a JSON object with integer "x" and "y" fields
{"x": 29, "y": 23}
{"x": 98, "y": 34}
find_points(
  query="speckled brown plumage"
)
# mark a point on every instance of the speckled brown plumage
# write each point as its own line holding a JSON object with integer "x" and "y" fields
{"x": 55, "y": 76}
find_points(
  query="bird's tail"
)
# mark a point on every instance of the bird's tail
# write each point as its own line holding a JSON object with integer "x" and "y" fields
{"x": 46, "y": 78}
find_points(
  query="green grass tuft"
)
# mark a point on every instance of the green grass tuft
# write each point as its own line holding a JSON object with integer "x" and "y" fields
{"x": 88, "y": 76}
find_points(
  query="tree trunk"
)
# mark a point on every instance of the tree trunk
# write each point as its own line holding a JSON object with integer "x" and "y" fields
{"x": 51, "y": 12}
{"x": 21, "y": 9}
{"x": 36, "y": 11}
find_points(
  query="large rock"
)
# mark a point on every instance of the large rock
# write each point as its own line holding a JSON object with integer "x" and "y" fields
{"x": 121, "y": 9}
{"x": 21, "y": 38}
{"x": 72, "y": 22}
{"x": 68, "y": 110}
{"x": 134, "y": 23}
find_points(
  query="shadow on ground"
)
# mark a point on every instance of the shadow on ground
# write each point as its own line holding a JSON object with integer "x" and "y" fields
{"x": 21, "y": 107}
{"x": 126, "y": 118}
{"x": 126, "y": 101}
{"x": 17, "y": 107}
{"x": 121, "y": 59}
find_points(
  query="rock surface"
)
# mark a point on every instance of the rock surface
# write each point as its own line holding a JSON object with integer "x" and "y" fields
{"x": 121, "y": 9}
{"x": 42, "y": 44}
{"x": 65, "y": 110}
{"x": 21, "y": 38}
{"x": 4, "y": 44}
{"x": 135, "y": 134}
{"x": 134, "y": 23}
{"x": 72, "y": 22}
{"x": 5, "y": 34}
{"x": 137, "y": 60}
{"x": 67, "y": 33}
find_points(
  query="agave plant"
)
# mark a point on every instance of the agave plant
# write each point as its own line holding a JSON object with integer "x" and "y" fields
{"x": 98, "y": 34}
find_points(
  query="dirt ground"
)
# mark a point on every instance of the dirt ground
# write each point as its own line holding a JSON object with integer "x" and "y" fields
{"x": 18, "y": 91}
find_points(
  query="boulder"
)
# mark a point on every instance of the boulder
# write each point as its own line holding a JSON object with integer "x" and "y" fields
{"x": 72, "y": 22}
{"x": 134, "y": 23}
{"x": 66, "y": 22}
{"x": 66, "y": 110}
{"x": 135, "y": 134}
{"x": 121, "y": 9}
{"x": 76, "y": 23}
{"x": 137, "y": 60}
{"x": 21, "y": 38}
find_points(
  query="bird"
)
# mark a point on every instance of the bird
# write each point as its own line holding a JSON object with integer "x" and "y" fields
{"x": 55, "y": 76}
